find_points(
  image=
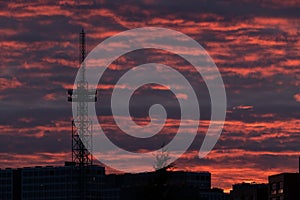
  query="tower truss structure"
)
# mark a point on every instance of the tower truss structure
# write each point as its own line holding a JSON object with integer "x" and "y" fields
{"x": 82, "y": 127}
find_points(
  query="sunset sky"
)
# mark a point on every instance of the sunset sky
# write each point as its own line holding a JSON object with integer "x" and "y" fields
{"x": 255, "y": 44}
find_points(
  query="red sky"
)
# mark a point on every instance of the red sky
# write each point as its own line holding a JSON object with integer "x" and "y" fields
{"x": 255, "y": 45}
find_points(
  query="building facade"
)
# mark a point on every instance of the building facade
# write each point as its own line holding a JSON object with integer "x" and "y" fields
{"x": 213, "y": 194}
{"x": 249, "y": 191}
{"x": 72, "y": 182}
{"x": 52, "y": 183}
{"x": 284, "y": 186}
{"x": 6, "y": 184}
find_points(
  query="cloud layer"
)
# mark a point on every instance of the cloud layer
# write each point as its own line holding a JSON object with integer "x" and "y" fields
{"x": 255, "y": 45}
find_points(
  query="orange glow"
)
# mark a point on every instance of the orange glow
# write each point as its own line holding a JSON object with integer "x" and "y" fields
{"x": 297, "y": 97}
{"x": 50, "y": 97}
{"x": 6, "y": 83}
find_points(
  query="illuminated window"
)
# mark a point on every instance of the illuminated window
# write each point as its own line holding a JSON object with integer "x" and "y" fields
{"x": 280, "y": 191}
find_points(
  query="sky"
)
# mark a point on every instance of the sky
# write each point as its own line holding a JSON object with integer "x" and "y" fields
{"x": 255, "y": 45}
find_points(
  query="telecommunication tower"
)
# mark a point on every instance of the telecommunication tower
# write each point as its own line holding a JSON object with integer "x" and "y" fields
{"x": 82, "y": 127}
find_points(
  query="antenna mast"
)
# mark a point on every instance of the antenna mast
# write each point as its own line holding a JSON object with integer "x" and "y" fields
{"x": 82, "y": 124}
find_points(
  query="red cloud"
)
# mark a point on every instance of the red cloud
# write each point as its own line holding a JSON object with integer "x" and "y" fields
{"x": 50, "y": 97}
{"x": 297, "y": 97}
{"x": 8, "y": 83}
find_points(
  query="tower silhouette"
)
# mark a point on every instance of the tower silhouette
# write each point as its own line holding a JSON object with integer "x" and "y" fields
{"x": 82, "y": 127}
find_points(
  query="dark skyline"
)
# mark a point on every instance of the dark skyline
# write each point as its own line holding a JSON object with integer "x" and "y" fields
{"x": 255, "y": 45}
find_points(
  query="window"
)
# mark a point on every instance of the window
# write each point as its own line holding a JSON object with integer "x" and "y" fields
{"x": 281, "y": 185}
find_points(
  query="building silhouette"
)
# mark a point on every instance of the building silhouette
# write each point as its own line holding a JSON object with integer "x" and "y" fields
{"x": 164, "y": 184}
{"x": 284, "y": 186}
{"x": 65, "y": 182}
{"x": 213, "y": 194}
{"x": 249, "y": 191}
{"x": 6, "y": 184}
{"x": 62, "y": 182}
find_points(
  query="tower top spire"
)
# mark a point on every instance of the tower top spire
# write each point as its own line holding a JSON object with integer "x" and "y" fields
{"x": 82, "y": 46}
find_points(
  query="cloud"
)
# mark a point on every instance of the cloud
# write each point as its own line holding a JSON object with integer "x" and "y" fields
{"x": 297, "y": 97}
{"x": 254, "y": 44}
{"x": 9, "y": 83}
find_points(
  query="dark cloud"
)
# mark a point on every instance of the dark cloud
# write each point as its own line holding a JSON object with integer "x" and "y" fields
{"x": 255, "y": 45}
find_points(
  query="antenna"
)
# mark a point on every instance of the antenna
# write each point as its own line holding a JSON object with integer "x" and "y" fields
{"x": 82, "y": 127}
